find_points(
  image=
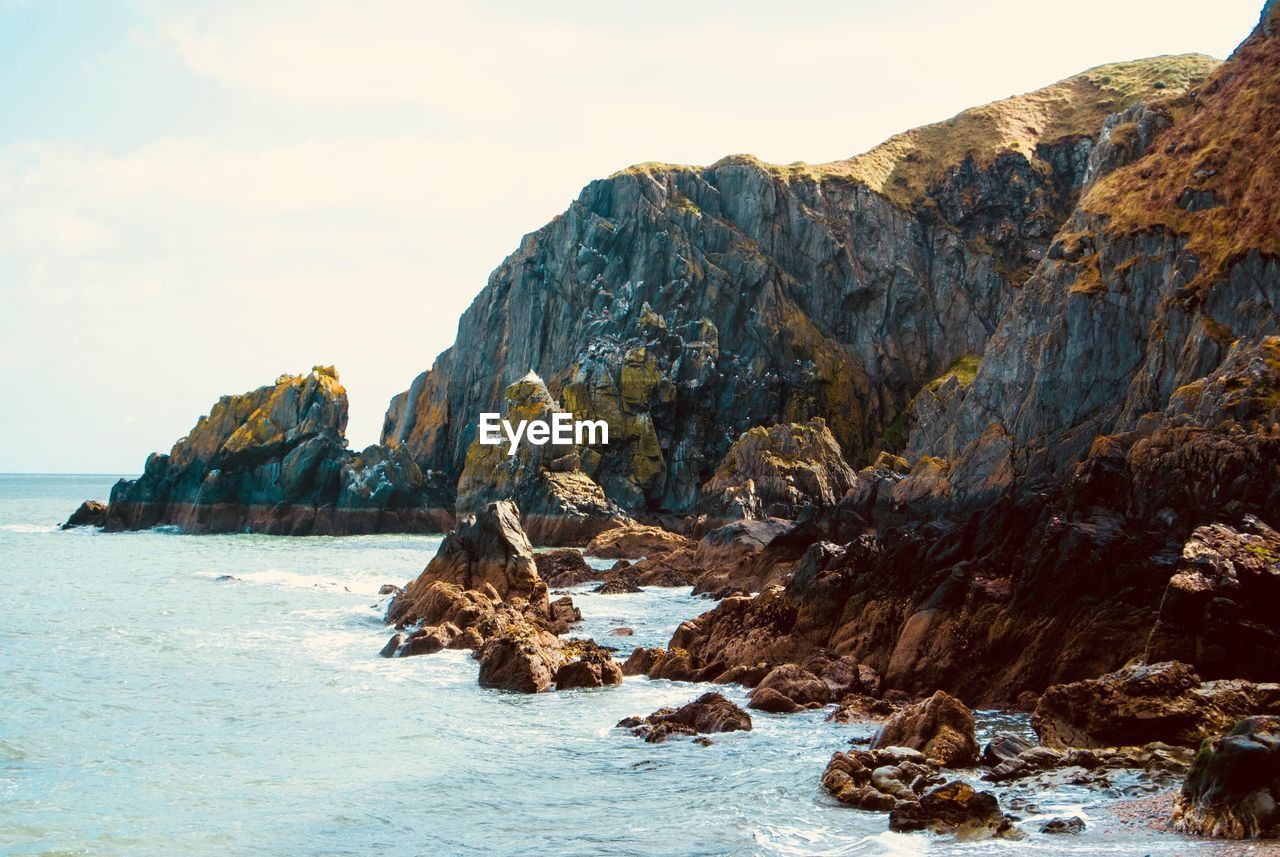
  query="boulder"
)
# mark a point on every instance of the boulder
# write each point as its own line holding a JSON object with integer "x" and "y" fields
{"x": 92, "y": 513}
{"x": 880, "y": 779}
{"x": 728, "y": 556}
{"x": 1233, "y": 788}
{"x": 564, "y": 568}
{"x": 1142, "y": 703}
{"x": 709, "y": 713}
{"x": 1058, "y": 826}
{"x": 941, "y": 727}
{"x": 617, "y": 586}
{"x": 955, "y": 808}
{"x": 634, "y": 541}
{"x": 1003, "y": 747}
{"x": 860, "y": 708}
{"x": 522, "y": 659}
{"x": 593, "y": 666}
{"x": 789, "y": 688}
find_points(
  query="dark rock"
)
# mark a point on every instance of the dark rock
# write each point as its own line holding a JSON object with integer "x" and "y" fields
{"x": 593, "y": 666}
{"x": 92, "y": 513}
{"x": 1003, "y": 747}
{"x": 393, "y": 645}
{"x": 634, "y": 541}
{"x": 860, "y": 708}
{"x": 390, "y": 589}
{"x": 881, "y": 779}
{"x": 563, "y": 568}
{"x": 1233, "y": 787}
{"x": 1143, "y": 703}
{"x": 522, "y": 660}
{"x": 616, "y": 586}
{"x": 621, "y": 632}
{"x": 953, "y": 808}
{"x": 709, "y": 713}
{"x": 789, "y": 688}
{"x": 1072, "y": 825}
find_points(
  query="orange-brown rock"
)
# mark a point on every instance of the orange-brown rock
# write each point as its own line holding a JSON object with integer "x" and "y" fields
{"x": 707, "y": 714}
{"x": 941, "y": 727}
{"x": 634, "y": 541}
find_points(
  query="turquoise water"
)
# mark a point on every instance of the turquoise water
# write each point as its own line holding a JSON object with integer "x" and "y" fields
{"x": 150, "y": 708}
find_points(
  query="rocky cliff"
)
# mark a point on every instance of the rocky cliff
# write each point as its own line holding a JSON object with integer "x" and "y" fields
{"x": 275, "y": 460}
{"x": 686, "y": 305}
{"x": 1105, "y": 485}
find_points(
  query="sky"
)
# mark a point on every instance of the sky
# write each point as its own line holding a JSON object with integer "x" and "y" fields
{"x": 196, "y": 197}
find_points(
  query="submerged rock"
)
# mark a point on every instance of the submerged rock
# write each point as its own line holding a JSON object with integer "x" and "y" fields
{"x": 879, "y": 779}
{"x": 956, "y": 808}
{"x": 709, "y": 713}
{"x": 1233, "y": 788}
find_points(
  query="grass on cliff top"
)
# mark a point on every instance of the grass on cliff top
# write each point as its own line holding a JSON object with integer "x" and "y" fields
{"x": 1223, "y": 146}
{"x": 905, "y": 166}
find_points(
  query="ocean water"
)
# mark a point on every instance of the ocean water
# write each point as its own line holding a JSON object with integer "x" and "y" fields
{"x": 148, "y": 707}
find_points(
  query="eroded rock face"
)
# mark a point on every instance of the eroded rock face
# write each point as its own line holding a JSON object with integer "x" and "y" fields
{"x": 777, "y": 472}
{"x": 707, "y": 714}
{"x": 879, "y": 779}
{"x": 941, "y": 727}
{"x": 559, "y": 503}
{"x": 1143, "y": 703}
{"x": 561, "y": 568}
{"x": 957, "y": 808}
{"x": 686, "y": 305}
{"x": 274, "y": 460}
{"x": 1233, "y": 787}
{"x": 91, "y": 513}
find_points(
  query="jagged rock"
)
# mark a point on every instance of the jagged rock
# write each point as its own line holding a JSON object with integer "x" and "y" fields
{"x": 941, "y": 727}
{"x": 692, "y": 304}
{"x": 1218, "y": 609}
{"x": 393, "y": 645}
{"x": 1084, "y": 767}
{"x": 709, "y": 713}
{"x": 1233, "y": 787}
{"x": 562, "y": 568}
{"x": 617, "y": 586}
{"x": 777, "y": 472}
{"x": 562, "y": 614}
{"x": 1144, "y": 703}
{"x": 274, "y": 460}
{"x": 634, "y": 541}
{"x": 860, "y": 708}
{"x": 559, "y": 504}
{"x": 91, "y": 513}
{"x": 955, "y": 808}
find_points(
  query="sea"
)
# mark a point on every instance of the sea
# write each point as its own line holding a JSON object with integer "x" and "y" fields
{"x": 165, "y": 694}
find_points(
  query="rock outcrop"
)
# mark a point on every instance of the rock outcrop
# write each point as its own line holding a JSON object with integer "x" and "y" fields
{"x": 274, "y": 460}
{"x": 481, "y": 591}
{"x": 709, "y": 713}
{"x": 1143, "y": 703}
{"x": 777, "y": 472}
{"x": 559, "y": 503}
{"x": 1233, "y": 788}
{"x": 91, "y": 513}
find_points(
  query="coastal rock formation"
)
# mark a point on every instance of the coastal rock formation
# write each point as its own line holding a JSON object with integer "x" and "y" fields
{"x": 707, "y": 714}
{"x": 789, "y": 688}
{"x": 559, "y": 503}
{"x": 687, "y": 305}
{"x": 481, "y": 591}
{"x": 91, "y": 513}
{"x": 728, "y": 556}
{"x": 777, "y": 472}
{"x": 274, "y": 460}
{"x": 634, "y": 541}
{"x": 1233, "y": 788}
{"x": 881, "y": 779}
{"x": 561, "y": 568}
{"x": 957, "y": 808}
{"x": 941, "y": 727}
{"x": 1144, "y": 703}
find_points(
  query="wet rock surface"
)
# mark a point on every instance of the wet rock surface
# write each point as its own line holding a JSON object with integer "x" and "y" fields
{"x": 1233, "y": 788}
{"x": 707, "y": 714}
{"x": 941, "y": 727}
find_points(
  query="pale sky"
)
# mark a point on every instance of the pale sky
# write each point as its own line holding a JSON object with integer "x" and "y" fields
{"x": 197, "y": 197}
